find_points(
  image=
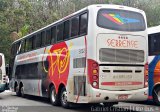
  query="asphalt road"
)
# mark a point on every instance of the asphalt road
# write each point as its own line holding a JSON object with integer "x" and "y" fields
{"x": 9, "y": 102}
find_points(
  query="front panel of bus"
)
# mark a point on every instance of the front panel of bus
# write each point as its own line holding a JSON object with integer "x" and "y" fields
{"x": 119, "y": 50}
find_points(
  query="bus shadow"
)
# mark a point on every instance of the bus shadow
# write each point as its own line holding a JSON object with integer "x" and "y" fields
{"x": 36, "y": 98}
{"x": 80, "y": 107}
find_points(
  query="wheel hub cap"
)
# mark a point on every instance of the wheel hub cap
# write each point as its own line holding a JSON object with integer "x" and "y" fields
{"x": 53, "y": 96}
{"x": 64, "y": 97}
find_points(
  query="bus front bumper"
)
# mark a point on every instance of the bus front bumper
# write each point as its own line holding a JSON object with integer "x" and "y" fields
{"x": 99, "y": 95}
{"x": 2, "y": 87}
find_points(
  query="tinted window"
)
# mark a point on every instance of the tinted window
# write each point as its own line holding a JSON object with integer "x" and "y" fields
{"x": 66, "y": 29}
{"x": 120, "y": 20}
{"x": 83, "y": 23}
{"x": 43, "y": 38}
{"x": 34, "y": 42}
{"x": 154, "y": 44}
{"x": 53, "y": 30}
{"x": 22, "y": 47}
{"x": 27, "y": 71}
{"x": 75, "y": 26}
{"x": 38, "y": 41}
{"x": 48, "y": 36}
{"x": 28, "y": 44}
{"x": 60, "y": 28}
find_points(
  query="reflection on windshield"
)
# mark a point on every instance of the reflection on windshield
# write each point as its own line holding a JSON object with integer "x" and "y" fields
{"x": 120, "y": 20}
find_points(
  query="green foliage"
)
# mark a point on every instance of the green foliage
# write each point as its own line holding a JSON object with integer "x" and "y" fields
{"x": 23, "y": 31}
{"x": 26, "y": 16}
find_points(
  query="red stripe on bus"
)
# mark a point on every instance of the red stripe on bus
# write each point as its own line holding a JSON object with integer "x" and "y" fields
{"x": 121, "y": 83}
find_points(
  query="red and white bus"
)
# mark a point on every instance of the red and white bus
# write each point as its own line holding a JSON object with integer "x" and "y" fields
{"x": 95, "y": 55}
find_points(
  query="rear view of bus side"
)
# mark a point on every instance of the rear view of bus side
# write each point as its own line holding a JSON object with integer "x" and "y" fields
{"x": 154, "y": 63}
{"x": 95, "y": 55}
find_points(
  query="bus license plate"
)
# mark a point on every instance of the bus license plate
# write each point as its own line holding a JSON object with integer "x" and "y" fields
{"x": 122, "y": 97}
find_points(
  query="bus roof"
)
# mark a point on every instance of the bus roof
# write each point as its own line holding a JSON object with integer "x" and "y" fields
{"x": 154, "y": 29}
{"x": 88, "y": 7}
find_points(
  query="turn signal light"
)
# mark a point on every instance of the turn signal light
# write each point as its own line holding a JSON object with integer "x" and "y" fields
{"x": 95, "y": 71}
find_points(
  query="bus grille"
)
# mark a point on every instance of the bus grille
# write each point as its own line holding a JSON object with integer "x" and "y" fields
{"x": 121, "y": 55}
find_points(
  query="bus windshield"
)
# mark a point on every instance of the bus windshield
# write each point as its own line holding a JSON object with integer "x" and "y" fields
{"x": 153, "y": 43}
{"x": 120, "y": 20}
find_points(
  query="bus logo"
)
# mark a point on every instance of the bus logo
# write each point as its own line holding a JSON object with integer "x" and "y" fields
{"x": 122, "y": 43}
{"x": 116, "y": 18}
{"x": 58, "y": 59}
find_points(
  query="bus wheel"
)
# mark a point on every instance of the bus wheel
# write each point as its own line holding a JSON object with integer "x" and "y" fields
{"x": 63, "y": 98}
{"x": 54, "y": 99}
{"x": 156, "y": 95}
{"x": 18, "y": 91}
{"x": 109, "y": 104}
{"x": 22, "y": 92}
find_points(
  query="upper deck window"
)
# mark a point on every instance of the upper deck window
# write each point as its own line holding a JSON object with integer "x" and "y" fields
{"x": 22, "y": 46}
{"x": 83, "y": 23}
{"x": 120, "y": 20}
{"x": 75, "y": 26}
{"x": 60, "y": 29}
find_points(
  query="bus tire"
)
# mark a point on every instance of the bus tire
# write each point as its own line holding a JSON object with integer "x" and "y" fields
{"x": 22, "y": 92}
{"x": 63, "y": 98}
{"x": 156, "y": 95}
{"x": 54, "y": 99}
{"x": 17, "y": 91}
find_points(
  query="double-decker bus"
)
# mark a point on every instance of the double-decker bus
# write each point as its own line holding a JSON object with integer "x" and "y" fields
{"x": 154, "y": 63}
{"x": 95, "y": 55}
{"x": 2, "y": 73}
